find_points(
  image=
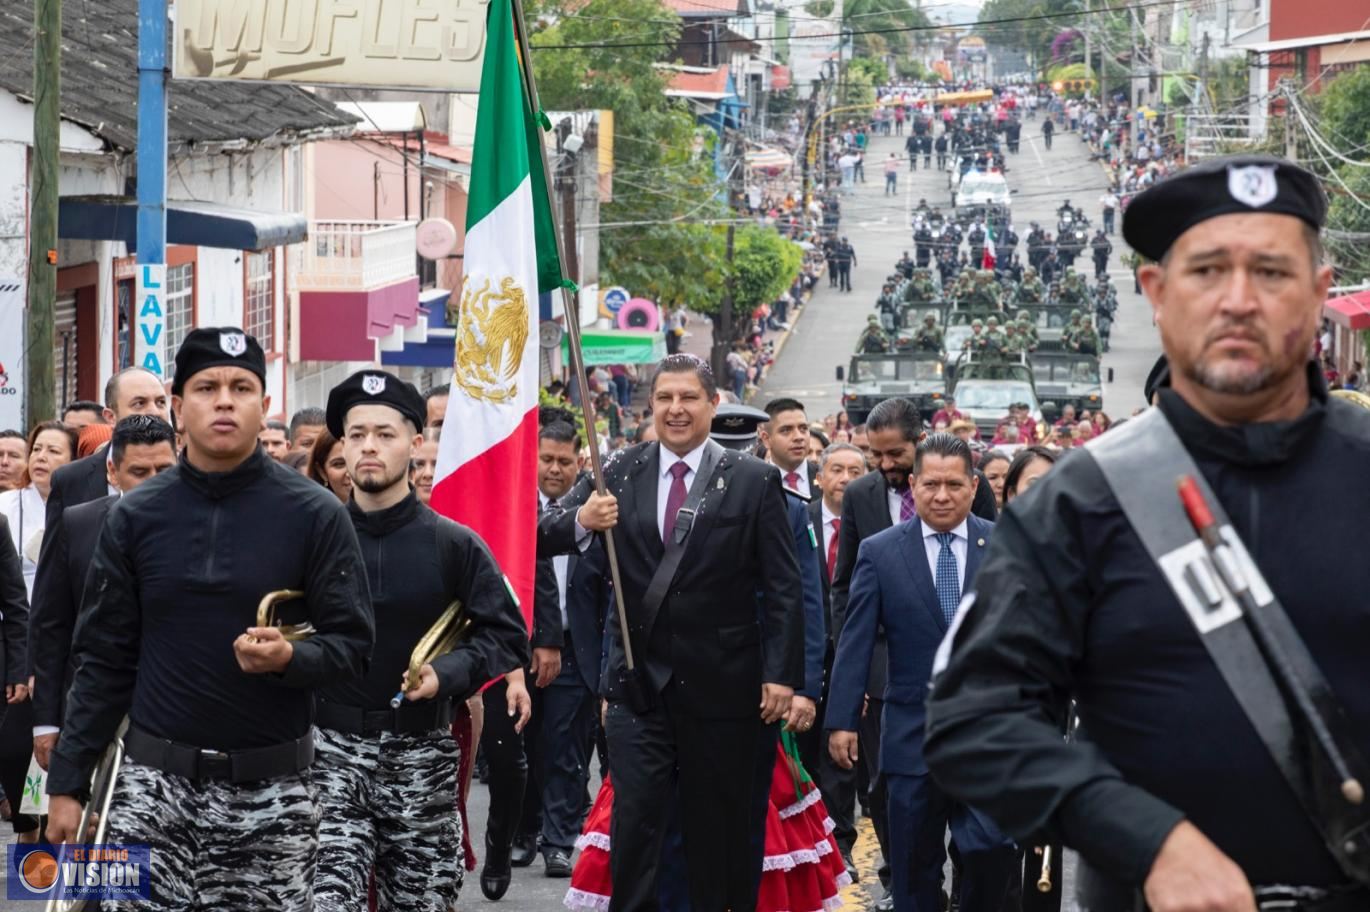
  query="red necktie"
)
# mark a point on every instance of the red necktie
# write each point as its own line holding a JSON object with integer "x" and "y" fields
{"x": 675, "y": 498}
{"x": 792, "y": 480}
{"x": 832, "y": 546}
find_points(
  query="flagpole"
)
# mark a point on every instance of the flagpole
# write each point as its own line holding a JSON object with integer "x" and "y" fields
{"x": 571, "y": 310}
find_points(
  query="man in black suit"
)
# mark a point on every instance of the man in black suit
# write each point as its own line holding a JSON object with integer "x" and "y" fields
{"x": 131, "y": 391}
{"x": 786, "y": 438}
{"x": 568, "y": 630}
{"x": 840, "y": 464}
{"x": 872, "y": 504}
{"x": 142, "y": 446}
{"x": 686, "y": 716}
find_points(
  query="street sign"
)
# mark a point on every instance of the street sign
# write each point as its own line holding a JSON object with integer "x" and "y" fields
{"x": 414, "y": 44}
{"x": 613, "y": 301}
{"x": 149, "y": 320}
{"x": 12, "y": 367}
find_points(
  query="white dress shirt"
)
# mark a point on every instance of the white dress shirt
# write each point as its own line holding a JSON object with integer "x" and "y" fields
{"x": 27, "y": 514}
{"x": 666, "y": 459}
{"x": 561, "y": 564}
{"x": 829, "y": 517}
{"x": 959, "y": 545}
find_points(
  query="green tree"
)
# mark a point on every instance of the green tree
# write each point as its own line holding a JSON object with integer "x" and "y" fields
{"x": 764, "y": 264}
{"x": 873, "y": 16}
{"x": 664, "y": 177}
{"x": 1341, "y": 117}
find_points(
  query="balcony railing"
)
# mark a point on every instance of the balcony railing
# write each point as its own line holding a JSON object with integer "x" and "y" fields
{"x": 357, "y": 255}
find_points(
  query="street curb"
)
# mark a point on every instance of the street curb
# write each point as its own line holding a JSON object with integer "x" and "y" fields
{"x": 781, "y": 340}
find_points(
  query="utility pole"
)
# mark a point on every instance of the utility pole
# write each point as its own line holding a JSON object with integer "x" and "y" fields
{"x": 149, "y": 321}
{"x": 1089, "y": 69}
{"x": 39, "y": 380}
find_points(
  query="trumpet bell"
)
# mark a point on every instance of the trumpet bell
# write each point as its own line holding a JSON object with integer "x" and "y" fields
{"x": 267, "y": 616}
{"x": 447, "y": 631}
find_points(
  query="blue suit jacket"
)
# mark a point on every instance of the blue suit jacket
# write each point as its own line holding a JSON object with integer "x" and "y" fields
{"x": 892, "y": 587}
{"x": 806, "y": 544}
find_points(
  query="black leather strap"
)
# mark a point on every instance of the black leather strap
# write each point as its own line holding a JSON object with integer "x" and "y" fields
{"x": 409, "y": 718}
{"x": 249, "y": 765}
{"x": 1141, "y": 461}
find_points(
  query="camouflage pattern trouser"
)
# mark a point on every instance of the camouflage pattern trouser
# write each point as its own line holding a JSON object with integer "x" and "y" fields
{"x": 389, "y": 802}
{"x": 219, "y": 845}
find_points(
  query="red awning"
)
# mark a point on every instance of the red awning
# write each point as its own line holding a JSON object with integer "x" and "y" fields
{"x": 1351, "y": 311}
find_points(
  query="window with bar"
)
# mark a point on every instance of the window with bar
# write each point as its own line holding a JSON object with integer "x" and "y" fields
{"x": 179, "y": 302}
{"x": 259, "y": 298}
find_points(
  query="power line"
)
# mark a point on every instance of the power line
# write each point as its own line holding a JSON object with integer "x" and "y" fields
{"x": 988, "y": 23}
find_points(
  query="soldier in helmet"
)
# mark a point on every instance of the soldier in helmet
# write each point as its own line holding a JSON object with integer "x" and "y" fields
{"x": 976, "y": 341}
{"x": 1031, "y": 290}
{"x": 920, "y": 289}
{"x": 1013, "y": 338}
{"x": 1071, "y": 329}
{"x": 1027, "y": 329}
{"x": 873, "y": 340}
{"x": 994, "y": 338}
{"x": 929, "y": 336}
{"x": 1086, "y": 340}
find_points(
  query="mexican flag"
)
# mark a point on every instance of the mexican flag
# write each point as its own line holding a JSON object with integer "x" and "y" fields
{"x": 487, "y": 455}
{"x": 987, "y": 259}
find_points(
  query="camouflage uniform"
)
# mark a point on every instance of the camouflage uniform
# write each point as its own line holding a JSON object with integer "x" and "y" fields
{"x": 1086, "y": 341}
{"x": 389, "y": 805}
{"x": 1071, "y": 329}
{"x": 873, "y": 339}
{"x": 976, "y": 341}
{"x": 218, "y": 844}
{"x": 1031, "y": 291}
{"x": 929, "y": 336}
{"x": 994, "y": 339}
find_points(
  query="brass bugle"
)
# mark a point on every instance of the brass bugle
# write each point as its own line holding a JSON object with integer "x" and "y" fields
{"x": 266, "y": 614}
{"x": 447, "y": 631}
{"x": 97, "y": 808}
{"x": 1044, "y": 882}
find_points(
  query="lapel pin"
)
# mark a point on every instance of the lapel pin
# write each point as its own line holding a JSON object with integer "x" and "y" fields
{"x": 720, "y": 484}
{"x": 980, "y": 542}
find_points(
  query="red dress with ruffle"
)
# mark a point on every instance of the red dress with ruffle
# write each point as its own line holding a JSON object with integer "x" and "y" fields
{"x": 802, "y": 870}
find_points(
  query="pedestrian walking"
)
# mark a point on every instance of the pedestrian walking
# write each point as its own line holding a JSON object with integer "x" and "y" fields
{"x": 891, "y": 175}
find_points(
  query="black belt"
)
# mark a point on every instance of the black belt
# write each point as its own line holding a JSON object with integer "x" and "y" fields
{"x": 247, "y": 765}
{"x": 410, "y": 718}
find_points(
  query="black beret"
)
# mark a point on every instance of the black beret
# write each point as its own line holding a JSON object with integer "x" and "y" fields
{"x": 1220, "y": 186}
{"x": 734, "y": 426}
{"x": 217, "y": 346}
{"x": 374, "y": 387}
{"x": 1158, "y": 378}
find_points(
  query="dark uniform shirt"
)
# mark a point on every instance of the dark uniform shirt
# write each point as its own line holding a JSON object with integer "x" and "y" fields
{"x": 177, "y": 574}
{"x": 405, "y": 547}
{"x": 1068, "y": 602}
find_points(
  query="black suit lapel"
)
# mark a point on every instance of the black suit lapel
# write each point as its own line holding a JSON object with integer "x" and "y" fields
{"x": 709, "y": 505}
{"x": 880, "y": 505}
{"x": 644, "y": 480}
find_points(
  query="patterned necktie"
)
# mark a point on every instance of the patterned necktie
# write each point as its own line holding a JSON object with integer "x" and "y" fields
{"x": 948, "y": 578}
{"x": 906, "y": 509}
{"x": 551, "y": 505}
{"x": 832, "y": 546}
{"x": 792, "y": 480}
{"x": 675, "y": 498}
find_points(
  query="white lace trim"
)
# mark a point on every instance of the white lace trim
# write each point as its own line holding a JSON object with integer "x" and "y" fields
{"x": 579, "y": 899}
{"x": 824, "y": 848}
{"x": 594, "y": 840}
{"x": 828, "y": 826}
{"x": 802, "y": 805}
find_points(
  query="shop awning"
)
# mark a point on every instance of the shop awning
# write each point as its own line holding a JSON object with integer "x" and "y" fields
{"x": 1351, "y": 311}
{"x": 195, "y": 224}
{"x": 619, "y": 346}
{"x": 769, "y": 159}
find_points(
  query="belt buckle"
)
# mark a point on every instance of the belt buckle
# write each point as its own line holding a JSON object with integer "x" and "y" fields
{"x": 215, "y": 764}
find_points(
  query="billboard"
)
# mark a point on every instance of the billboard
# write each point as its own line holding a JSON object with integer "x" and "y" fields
{"x": 405, "y": 44}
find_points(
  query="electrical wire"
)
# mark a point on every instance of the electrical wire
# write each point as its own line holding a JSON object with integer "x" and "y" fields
{"x": 982, "y": 25}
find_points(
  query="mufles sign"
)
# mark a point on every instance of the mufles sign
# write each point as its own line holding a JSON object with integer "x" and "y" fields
{"x": 418, "y": 44}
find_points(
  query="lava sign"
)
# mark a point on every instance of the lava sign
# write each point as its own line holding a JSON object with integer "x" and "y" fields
{"x": 149, "y": 322}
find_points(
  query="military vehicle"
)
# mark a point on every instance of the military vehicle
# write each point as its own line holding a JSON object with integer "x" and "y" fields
{"x": 1069, "y": 377}
{"x": 918, "y": 376}
{"x": 985, "y": 388}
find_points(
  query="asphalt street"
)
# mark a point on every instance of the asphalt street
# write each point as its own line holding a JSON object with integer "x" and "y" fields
{"x": 823, "y": 338}
{"x": 878, "y": 227}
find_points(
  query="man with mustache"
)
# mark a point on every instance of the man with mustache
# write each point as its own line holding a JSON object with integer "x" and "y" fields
{"x": 1185, "y": 793}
